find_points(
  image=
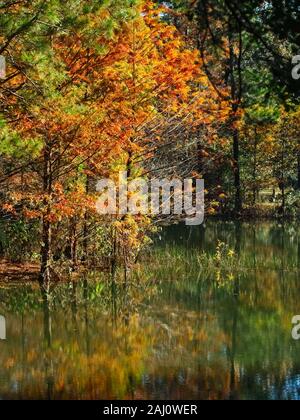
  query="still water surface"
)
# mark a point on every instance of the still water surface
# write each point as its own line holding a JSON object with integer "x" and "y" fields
{"x": 192, "y": 335}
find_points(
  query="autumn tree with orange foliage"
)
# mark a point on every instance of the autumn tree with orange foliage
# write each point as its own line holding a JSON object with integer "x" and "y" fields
{"x": 96, "y": 103}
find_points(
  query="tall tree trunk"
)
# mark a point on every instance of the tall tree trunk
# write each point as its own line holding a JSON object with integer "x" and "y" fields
{"x": 237, "y": 172}
{"x": 45, "y": 274}
{"x": 255, "y": 189}
{"x": 85, "y": 225}
{"x": 46, "y": 248}
{"x": 73, "y": 242}
{"x": 283, "y": 175}
{"x": 282, "y": 189}
{"x": 235, "y": 72}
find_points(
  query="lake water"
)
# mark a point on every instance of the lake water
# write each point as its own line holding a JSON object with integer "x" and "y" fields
{"x": 179, "y": 332}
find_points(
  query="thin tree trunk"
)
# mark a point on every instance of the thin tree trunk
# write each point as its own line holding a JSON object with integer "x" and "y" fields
{"x": 85, "y": 225}
{"x": 237, "y": 172}
{"x": 282, "y": 182}
{"x": 255, "y": 170}
{"x": 236, "y": 95}
{"x": 46, "y": 252}
{"x": 46, "y": 248}
{"x": 73, "y": 242}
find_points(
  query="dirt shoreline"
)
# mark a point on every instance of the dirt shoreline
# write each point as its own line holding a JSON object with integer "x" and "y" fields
{"x": 17, "y": 271}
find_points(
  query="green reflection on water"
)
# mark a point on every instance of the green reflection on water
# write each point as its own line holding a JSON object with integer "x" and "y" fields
{"x": 174, "y": 333}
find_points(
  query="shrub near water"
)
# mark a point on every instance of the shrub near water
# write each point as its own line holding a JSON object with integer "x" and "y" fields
{"x": 18, "y": 240}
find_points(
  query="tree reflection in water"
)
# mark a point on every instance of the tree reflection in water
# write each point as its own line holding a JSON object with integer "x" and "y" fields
{"x": 170, "y": 333}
